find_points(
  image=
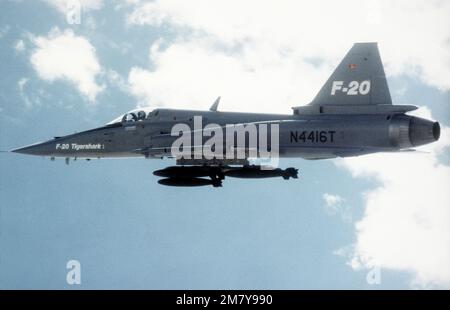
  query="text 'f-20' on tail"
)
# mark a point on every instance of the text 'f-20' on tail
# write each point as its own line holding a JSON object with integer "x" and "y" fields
{"x": 358, "y": 80}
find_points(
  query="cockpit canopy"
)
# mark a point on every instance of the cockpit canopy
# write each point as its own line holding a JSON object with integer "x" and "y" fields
{"x": 133, "y": 116}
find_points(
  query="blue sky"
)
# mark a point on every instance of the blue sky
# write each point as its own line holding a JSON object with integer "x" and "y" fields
{"x": 129, "y": 232}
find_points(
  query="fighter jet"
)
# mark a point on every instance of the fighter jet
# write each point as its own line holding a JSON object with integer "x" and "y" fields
{"x": 352, "y": 115}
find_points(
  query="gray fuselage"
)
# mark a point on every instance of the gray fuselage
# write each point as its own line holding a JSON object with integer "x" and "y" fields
{"x": 311, "y": 136}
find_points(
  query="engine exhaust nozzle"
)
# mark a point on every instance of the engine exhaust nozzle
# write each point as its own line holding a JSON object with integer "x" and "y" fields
{"x": 423, "y": 131}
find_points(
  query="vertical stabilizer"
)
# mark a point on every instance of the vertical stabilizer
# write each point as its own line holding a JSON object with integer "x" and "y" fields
{"x": 358, "y": 80}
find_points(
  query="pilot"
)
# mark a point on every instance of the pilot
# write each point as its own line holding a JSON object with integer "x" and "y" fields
{"x": 140, "y": 115}
{"x": 129, "y": 117}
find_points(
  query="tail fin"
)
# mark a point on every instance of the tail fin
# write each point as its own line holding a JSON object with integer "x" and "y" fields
{"x": 358, "y": 80}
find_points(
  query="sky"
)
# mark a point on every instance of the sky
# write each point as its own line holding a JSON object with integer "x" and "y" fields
{"x": 342, "y": 222}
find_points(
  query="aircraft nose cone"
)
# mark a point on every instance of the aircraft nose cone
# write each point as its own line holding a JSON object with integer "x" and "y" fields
{"x": 35, "y": 149}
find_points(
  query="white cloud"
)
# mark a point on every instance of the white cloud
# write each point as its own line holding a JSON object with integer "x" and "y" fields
{"x": 335, "y": 204}
{"x": 21, "y": 83}
{"x": 406, "y": 224}
{"x": 194, "y": 73}
{"x": 117, "y": 80}
{"x": 332, "y": 201}
{"x": 258, "y": 54}
{"x": 66, "y": 56}
{"x": 86, "y": 5}
{"x": 21, "y": 86}
{"x": 19, "y": 46}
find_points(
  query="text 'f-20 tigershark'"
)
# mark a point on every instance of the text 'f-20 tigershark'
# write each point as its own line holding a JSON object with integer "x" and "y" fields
{"x": 351, "y": 115}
